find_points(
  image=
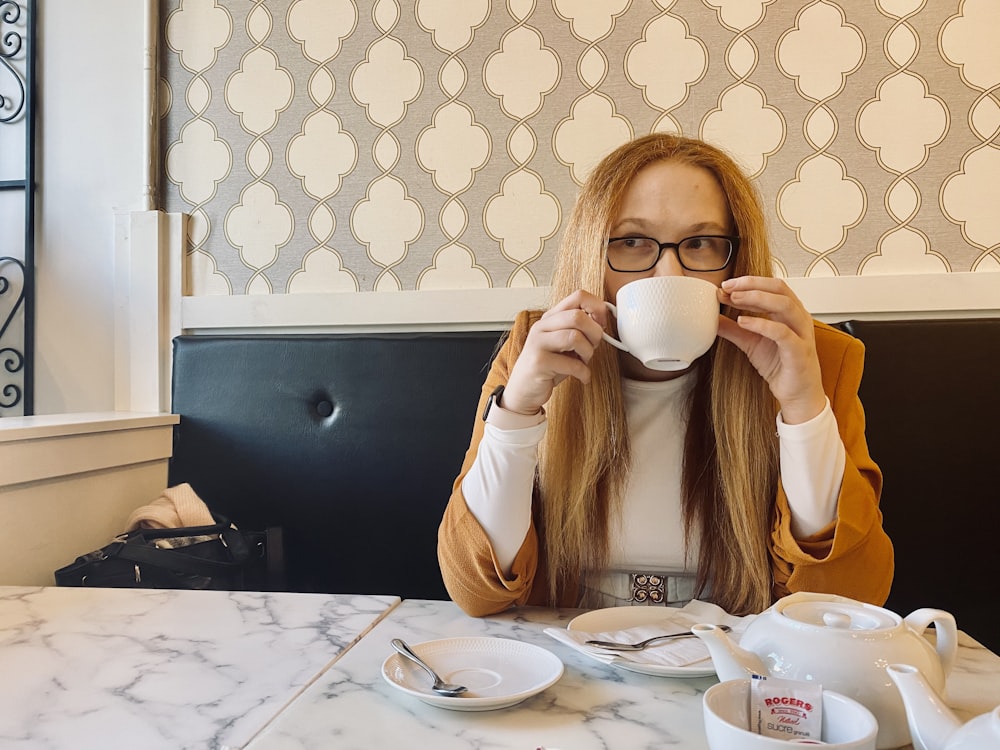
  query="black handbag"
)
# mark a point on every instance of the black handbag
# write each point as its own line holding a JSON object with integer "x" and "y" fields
{"x": 218, "y": 556}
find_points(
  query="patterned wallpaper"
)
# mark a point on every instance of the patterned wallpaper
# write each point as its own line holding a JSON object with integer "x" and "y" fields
{"x": 379, "y": 145}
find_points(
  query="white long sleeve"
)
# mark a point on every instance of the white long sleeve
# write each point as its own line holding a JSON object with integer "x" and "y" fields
{"x": 812, "y": 459}
{"x": 498, "y": 486}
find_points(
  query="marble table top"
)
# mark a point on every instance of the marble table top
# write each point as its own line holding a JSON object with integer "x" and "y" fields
{"x": 95, "y": 668}
{"x": 592, "y": 707}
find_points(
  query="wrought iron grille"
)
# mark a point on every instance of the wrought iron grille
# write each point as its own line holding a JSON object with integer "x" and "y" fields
{"x": 17, "y": 180}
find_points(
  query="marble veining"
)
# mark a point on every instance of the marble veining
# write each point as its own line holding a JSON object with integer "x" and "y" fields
{"x": 592, "y": 707}
{"x": 151, "y": 669}
{"x": 129, "y": 668}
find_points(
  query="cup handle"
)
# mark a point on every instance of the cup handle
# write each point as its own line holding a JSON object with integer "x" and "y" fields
{"x": 607, "y": 336}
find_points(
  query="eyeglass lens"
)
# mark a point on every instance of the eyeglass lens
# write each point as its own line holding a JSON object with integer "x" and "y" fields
{"x": 695, "y": 253}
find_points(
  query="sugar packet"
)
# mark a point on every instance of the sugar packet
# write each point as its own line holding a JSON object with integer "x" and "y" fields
{"x": 789, "y": 709}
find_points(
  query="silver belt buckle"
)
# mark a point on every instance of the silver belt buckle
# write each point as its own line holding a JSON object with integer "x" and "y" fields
{"x": 648, "y": 588}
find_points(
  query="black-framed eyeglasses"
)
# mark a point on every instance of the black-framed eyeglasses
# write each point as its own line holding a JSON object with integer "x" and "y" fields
{"x": 703, "y": 253}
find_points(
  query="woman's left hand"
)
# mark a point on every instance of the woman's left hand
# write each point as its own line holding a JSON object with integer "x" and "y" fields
{"x": 780, "y": 344}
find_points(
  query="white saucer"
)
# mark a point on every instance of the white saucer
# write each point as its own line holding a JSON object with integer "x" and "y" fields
{"x": 499, "y": 672}
{"x": 620, "y": 618}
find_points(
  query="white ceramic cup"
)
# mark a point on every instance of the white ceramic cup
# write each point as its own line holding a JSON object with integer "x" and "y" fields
{"x": 666, "y": 322}
{"x": 847, "y": 725}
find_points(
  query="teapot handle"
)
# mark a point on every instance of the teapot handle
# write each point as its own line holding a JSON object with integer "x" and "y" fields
{"x": 946, "y": 629}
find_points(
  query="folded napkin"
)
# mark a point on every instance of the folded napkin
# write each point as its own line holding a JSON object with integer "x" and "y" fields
{"x": 679, "y": 652}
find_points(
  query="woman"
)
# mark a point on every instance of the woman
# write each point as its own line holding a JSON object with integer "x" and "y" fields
{"x": 739, "y": 480}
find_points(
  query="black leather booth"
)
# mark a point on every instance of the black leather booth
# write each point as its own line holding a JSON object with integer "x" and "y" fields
{"x": 931, "y": 392}
{"x": 351, "y": 443}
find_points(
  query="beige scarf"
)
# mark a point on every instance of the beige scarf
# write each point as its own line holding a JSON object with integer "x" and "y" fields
{"x": 176, "y": 507}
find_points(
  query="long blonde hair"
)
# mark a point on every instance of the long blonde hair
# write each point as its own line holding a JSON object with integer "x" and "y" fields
{"x": 729, "y": 479}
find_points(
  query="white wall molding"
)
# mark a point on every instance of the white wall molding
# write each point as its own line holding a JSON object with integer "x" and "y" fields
{"x": 459, "y": 309}
{"x": 837, "y": 298}
{"x": 902, "y": 296}
{"x": 149, "y": 252}
{"x": 55, "y": 446}
{"x": 68, "y": 483}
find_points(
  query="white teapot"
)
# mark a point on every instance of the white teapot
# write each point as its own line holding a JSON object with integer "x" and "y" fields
{"x": 932, "y": 724}
{"x": 843, "y": 644}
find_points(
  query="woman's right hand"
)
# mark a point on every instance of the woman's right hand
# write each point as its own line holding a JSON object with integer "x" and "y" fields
{"x": 559, "y": 345}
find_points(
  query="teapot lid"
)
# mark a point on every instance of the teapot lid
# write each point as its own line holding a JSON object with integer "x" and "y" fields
{"x": 836, "y": 612}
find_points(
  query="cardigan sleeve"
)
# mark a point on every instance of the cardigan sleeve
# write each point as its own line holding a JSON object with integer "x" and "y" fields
{"x": 469, "y": 568}
{"x": 852, "y": 556}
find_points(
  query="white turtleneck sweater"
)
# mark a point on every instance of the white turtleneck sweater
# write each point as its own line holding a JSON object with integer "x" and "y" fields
{"x": 649, "y": 534}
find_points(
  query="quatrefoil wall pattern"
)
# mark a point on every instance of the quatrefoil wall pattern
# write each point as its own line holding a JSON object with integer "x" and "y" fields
{"x": 382, "y": 145}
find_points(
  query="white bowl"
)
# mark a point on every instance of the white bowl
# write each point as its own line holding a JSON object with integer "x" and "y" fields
{"x": 847, "y": 725}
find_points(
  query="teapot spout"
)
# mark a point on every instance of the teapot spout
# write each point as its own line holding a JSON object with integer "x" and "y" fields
{"x": 731, "y": 662}
{"x": 930, "y": 720}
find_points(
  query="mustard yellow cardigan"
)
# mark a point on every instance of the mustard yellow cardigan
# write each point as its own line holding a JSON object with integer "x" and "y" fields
{"x": 852, "y": 557}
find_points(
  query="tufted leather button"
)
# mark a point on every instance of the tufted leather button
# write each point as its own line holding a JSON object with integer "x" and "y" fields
{"x": 324, "y": 408}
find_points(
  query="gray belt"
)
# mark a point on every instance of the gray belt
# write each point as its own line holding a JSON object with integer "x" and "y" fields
{"x": 620, "y": 588}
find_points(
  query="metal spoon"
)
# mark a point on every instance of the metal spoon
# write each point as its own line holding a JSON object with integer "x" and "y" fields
{"x": 616, "y": 646}
{"x": 440, "y": 686}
